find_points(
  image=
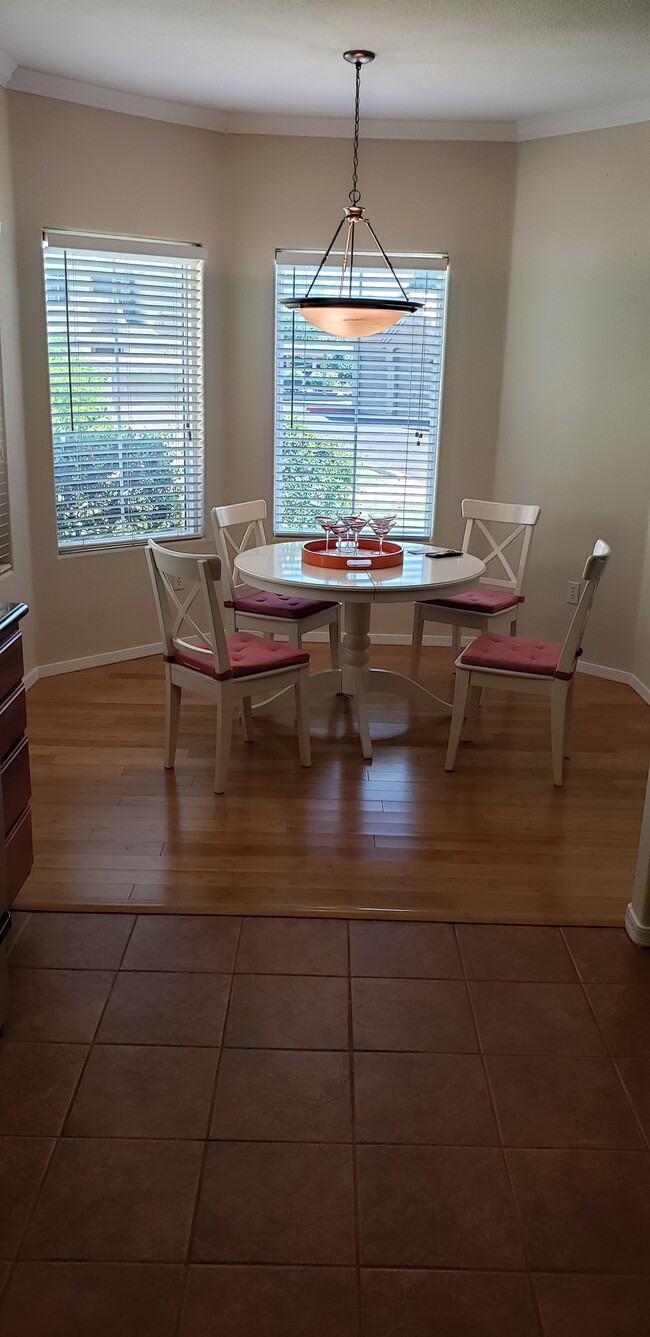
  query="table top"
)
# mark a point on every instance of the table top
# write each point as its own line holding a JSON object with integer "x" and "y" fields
{"x": 279, "y": 567}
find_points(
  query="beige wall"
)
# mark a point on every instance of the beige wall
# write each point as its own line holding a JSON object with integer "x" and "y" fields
{"x": 76, "y": 167}
{"x": 574, "y": 427}
{"x": 641, "y": 664}
{"x": 17, "y": 583}
{"x": 242, "y": 196}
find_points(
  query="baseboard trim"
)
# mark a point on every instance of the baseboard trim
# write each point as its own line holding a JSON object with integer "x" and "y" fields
{"x": 390, "y": 638}
{"x": 616, "y": 675}
{"x": 96, "y": 661}
{"x": 376, "y": 638}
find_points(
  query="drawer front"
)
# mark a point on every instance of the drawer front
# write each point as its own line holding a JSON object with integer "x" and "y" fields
{"x": 19, "y": 855}
{"x": 11, "y": 665}
{"x": 13, "y": 721}
{"x": 16, "y": 784}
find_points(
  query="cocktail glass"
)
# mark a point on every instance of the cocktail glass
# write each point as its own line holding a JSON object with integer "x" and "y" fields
{"x": 326, "y": 522}
{"x": 381, "y": 525}
{"x": 339, "y": 528}
{"x": 350, "y": 521}
{"x": 356, "y": 525}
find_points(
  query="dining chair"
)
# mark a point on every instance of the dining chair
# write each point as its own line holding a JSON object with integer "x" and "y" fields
{"x": 257, "y": 610}
{"x": 227, "y": 669}
{"x": 482, "y": 608}
{"x": 545, "y": 668}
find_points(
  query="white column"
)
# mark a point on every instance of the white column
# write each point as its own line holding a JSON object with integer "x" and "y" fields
{"x": 637, "y": 915}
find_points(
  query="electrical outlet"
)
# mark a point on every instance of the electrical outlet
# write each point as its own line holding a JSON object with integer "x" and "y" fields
{"x": 573, "y": 592}
{"x": 178, "y": 584}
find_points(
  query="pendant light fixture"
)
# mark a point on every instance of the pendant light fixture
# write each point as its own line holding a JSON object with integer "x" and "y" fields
{"x": 349, "y": 315}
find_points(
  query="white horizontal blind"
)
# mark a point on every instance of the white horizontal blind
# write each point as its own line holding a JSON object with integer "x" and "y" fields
{"x": 125, "y": 345}
{"x": 5, "y": 533}
{"x": 356, "y": 421}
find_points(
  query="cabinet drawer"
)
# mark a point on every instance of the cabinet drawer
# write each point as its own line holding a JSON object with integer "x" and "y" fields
{"x": 16, "y": 784}
{"x": 13, "y": 721}
{"x": 19, "y": 855}
{"x": 11, "y": 665}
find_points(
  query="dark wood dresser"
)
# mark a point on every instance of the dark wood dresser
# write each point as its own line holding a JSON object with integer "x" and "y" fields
{"x": 14, "y": 753}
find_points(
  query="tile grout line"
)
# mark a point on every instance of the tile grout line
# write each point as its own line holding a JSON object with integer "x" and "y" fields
{"x": 206, "y": 1143}
{"x": 59, "y": 1136}
{"x": 353, "y": 1124}
{"x": 611, "y": 1056}
{"x": 504, "y": 1158}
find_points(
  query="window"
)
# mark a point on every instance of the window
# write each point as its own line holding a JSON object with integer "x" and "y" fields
{"x": 124, "y": 329}
{"x": 5, "y": 533}
{"x": 356, "y": 421}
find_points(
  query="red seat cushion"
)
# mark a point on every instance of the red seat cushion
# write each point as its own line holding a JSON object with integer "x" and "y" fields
{"x": 514, "y": 654}
{"x": 481, "y": 601}
{"x": 247, "y": 653}
{"x": 278, "y": 605}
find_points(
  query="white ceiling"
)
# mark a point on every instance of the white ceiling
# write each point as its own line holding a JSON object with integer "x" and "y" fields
{"x": 462, "y": 60}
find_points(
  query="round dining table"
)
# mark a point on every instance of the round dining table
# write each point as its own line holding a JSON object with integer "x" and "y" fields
{"x": 281, "y": 569}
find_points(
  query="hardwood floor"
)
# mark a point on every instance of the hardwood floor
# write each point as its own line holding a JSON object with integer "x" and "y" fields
{"x": 494, "y": 841}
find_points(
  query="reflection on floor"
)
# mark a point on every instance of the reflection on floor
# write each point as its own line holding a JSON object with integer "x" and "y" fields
{"x": 493, "y": 841}
{"x": 309, "y": 1128}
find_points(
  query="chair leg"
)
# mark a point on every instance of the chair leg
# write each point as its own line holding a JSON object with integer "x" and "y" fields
{"x": 455, "y": 641}
{"x": 335, "y": 639}
{"x": 224, "y": 734}
{"x": 559, "y": 698}
{"x": 568, "y": 719}
{"x": 416, "y": 641}
{"x": 247, "y": 719}
{"x": 302, "y": 718}
{"x": 172, "y": 713}
{"x": 463, "y": 679}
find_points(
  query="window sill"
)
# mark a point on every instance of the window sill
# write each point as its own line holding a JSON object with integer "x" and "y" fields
{"x": 121, "y": 545}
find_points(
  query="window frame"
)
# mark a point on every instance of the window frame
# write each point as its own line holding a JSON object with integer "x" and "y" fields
{"x": 193, "y": 383}
{"x": 427, "y": 261}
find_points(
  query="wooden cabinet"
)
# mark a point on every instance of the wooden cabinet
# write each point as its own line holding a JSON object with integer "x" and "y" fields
{"x": 15, "y": 786}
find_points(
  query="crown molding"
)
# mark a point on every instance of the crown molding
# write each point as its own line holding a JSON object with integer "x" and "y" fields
{"x": 574, "y": 122}
{"x": 249, "y": 123}
{"x": 7, "y": 67}
{"x": 330, "y": 127}
{"x": 22, "y": 80}
{"x": 112, "y": 99}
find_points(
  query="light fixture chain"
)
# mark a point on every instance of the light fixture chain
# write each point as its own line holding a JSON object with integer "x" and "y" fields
{"x": 355, "y": 194}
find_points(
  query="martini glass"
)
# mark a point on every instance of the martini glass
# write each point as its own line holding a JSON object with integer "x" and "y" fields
{"x": 350, "y": 521}
{"x": 326, "y": 522}
{"x": 356, "y": 525}
{"x": 381, "y": 525}
{"x": 339, "y": 528}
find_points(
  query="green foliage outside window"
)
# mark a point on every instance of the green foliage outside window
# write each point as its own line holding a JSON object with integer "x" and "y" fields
{"x": 110, "y": 481}
{"x": 316, "y": 476}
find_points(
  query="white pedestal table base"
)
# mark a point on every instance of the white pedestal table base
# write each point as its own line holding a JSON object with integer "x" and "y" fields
{"x": 357, "y": 680}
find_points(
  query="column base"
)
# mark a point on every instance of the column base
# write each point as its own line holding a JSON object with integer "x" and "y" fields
{"x": 639, "y": 933}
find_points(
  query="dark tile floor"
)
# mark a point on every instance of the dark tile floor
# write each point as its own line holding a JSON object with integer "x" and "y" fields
{"x": 307, "y": 1128}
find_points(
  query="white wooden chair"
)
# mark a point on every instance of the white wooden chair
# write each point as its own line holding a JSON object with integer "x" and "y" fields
{"x": 513, "y": 664}
{"x": 483, "y": 608}
{"x": 257, "y": 610}
{"x": 227, "y": 669}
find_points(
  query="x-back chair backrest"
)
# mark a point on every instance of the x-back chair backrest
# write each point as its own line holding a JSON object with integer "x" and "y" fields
{"x": 479, "y": 517}
{"x": 176, "y": 608}
{"x": 252, "y": 514}
{"x": 593, "y": 570}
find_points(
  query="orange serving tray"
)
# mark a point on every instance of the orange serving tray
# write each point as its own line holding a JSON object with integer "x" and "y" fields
{"x": 367, "y": 558}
